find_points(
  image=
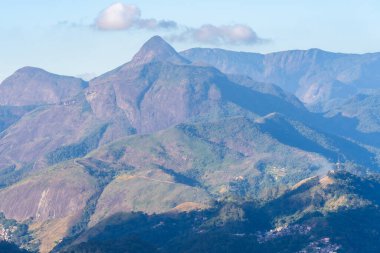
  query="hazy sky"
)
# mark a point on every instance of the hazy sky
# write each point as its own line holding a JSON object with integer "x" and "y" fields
{"x": 76, "y": 37}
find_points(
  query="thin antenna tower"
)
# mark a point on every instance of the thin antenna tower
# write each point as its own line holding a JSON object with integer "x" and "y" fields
{"x": 339, "y": 165}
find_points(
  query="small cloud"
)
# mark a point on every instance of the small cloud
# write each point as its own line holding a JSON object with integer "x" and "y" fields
{"x": 152, "y": 24}
{"x": 120, "y": 16}
{"x": 217, "y": 35}
{"x": 168, "y": 24}
{"x": 69, "y": 24}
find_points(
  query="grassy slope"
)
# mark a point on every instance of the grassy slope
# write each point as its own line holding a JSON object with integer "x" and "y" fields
{"x": 322, "y": 205}
{"x": 234, "y": 158}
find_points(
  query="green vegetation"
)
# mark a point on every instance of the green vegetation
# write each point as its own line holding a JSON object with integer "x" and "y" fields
{"x": 76, "y": 150}
{"x": 305, "y": 214}
{"x": 11, "y": 175}
{"x": 11, "y": 114}
{"x": 14, "y": 231}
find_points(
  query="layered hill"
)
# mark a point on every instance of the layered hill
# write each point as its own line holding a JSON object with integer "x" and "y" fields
{"x": 187, "y": 167}
{"x": 166, "y": 134}
{"x": 335, "y": 213}
{"x": 317, "y": 77}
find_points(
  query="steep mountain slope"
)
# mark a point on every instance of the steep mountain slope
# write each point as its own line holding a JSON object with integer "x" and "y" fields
{"x": 317, "y": 77}
{"x": 156, "y": 90}
{"x": 163, "y": 134}
{"x": 27, "y": 143}
{"x": 64, "y": 119}
{"x": 41, "y": 112}
{"x": 163, "y": 90}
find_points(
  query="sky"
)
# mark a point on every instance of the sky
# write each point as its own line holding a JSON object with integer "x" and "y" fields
{"x": 89, "y": 37}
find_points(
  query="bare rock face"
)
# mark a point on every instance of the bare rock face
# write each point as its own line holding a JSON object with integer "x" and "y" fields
{"x": 51, "y": 202}
{"x": 33, "y": 86}
{"x": 56, "y": 194}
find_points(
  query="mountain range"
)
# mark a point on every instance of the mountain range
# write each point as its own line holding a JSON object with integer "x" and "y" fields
{"x": 256, "y": 152}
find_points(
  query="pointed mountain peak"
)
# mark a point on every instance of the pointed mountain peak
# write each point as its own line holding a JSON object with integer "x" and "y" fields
{"x": 157, "y": 49}
{"x": 157, "y": 40}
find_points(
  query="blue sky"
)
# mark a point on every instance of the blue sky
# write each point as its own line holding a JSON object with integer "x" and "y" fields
{"x": 62, "y": 36}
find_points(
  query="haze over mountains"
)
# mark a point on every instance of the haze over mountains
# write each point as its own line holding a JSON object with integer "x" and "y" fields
{"x": 318, "y": 78}
{"x": 182, "y": 134}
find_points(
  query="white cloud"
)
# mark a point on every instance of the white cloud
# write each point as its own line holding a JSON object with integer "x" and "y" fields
{"x": 120, "y": 16}
{"x": 216, "y": 35}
